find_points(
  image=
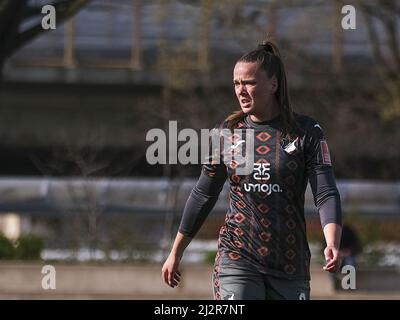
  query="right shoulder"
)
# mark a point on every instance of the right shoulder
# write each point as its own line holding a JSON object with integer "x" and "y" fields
{"x": 221, "y": 125}
{"x": 226, "y": 124}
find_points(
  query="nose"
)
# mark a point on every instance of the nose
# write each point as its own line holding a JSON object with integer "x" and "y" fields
{"x": 242, "y": 89}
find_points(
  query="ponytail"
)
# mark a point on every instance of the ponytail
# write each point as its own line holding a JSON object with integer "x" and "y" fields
{"x": 234, "y": 118}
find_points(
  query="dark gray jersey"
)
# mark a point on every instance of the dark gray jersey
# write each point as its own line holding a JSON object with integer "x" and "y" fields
{"x": 265, "y": 225}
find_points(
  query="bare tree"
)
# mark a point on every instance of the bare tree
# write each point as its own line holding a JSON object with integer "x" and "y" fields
{"x": 385, "y": 47}
{"x": 84, "y": 165}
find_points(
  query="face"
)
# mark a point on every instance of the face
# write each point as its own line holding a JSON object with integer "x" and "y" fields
{"x": 254, "y": 90}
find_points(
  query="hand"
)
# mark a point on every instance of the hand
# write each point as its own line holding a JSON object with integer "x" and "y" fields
{"x": 170, "y": 273}
{"x": 332, "y": 258}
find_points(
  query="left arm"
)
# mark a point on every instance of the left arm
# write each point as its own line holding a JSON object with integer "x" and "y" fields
{"x": 332, "y": 233}
{"x": 326, "y": 194}
{"x": 327, "y": 200}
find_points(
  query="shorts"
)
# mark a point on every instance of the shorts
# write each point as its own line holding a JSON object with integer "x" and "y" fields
{"x": 239, "y": 283}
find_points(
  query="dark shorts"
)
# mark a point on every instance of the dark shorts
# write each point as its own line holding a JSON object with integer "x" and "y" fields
{"x": 232, "y": 283}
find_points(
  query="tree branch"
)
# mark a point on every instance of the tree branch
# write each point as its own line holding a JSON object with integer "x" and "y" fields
{"x": 33, "y": 11}
{"x": 393, "y": 41}
{"x": 374, "y": 41}
{"x": 71, "y": 9}
{"x": 10, "y": 19}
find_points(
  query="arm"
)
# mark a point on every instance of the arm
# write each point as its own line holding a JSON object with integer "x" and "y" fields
{"x": 199, "y": 204}
{"x": 332, "y": 233}
{"x": 327, "y": 200}
{"x": 326, "y": 195}
{"x": 202, "y": 199}
{"x": 170, "y": 270}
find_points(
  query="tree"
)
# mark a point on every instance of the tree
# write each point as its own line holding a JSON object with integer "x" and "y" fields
{"x": 386, "y": 50}
{"x": 15, "y": 13}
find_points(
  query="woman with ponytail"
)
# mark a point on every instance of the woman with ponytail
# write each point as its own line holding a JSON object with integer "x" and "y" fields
{"x": 263, "y": 251}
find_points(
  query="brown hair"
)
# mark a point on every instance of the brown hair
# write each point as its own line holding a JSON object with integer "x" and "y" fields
{"x": 269, "y": 59}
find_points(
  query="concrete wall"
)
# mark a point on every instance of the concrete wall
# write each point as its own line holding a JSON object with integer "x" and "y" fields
{"x": 24, "y": 281}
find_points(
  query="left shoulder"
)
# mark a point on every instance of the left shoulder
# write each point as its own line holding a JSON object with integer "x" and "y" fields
{"x": 308, "y": 124}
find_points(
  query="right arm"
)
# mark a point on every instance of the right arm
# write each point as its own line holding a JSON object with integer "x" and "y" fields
{"x": 199, "y": 204}
{"x": 170, "y": 270}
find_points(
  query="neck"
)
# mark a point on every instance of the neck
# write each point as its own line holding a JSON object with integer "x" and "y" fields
{"x": 268, "y": 113}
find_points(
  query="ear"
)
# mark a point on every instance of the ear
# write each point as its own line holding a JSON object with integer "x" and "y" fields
{"x": 274, "y": 84}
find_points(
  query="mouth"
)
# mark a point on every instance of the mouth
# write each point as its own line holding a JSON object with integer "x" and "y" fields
{"x": 245, "y": 103}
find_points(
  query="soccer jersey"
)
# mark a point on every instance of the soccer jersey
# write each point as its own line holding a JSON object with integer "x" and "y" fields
{"x": 265, "y": 226}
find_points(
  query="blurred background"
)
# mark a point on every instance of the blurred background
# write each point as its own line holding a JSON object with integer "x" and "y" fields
{"x": 76, "y": 102}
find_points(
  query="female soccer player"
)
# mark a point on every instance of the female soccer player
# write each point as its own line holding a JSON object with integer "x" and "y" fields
{"x": 263, "y": 251}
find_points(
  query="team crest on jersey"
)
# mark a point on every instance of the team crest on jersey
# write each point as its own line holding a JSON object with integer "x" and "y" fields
{"x": 290, "y": 147}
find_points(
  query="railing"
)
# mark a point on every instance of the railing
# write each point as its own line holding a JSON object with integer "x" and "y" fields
{"x": 153, "y": 196}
